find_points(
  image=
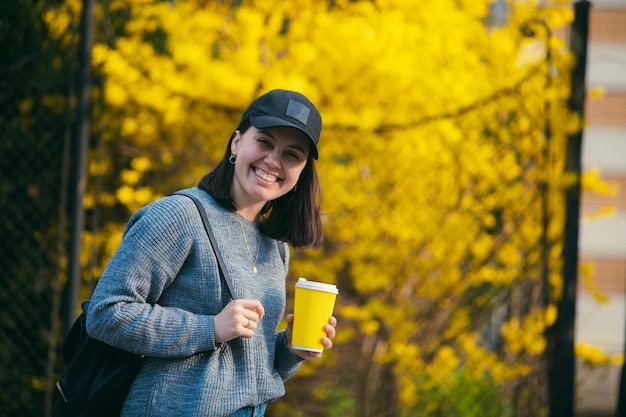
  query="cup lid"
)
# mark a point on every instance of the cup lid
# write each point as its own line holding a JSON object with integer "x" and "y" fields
{"x": 319, "y": 286}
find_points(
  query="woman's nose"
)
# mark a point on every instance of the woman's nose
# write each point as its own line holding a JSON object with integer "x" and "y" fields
{"x": 273, "y": 158}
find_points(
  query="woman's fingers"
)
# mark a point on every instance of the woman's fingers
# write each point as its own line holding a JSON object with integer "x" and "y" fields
{"x": 329, "y": 328}
{"x": 238, "y": 319}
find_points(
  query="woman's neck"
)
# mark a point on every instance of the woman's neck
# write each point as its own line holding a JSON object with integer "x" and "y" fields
{"x": 250, "y": 213}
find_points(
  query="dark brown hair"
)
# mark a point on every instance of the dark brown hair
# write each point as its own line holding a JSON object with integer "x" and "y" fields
{"x": 293, "y": 218}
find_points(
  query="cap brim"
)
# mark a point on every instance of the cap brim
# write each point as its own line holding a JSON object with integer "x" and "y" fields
{"x": 266, "y": 122}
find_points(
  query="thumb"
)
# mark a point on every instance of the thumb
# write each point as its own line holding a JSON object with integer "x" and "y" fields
{"x": 289, "y": 329}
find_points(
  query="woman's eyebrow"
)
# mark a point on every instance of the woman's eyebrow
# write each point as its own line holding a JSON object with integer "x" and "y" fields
{"x": 294, "y": 145}
{"x": 267, "y": 133}
{"x": 298, "y": 147}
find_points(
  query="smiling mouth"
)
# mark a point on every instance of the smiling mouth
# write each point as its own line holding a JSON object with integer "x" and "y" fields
{"x": 265, "y": 175}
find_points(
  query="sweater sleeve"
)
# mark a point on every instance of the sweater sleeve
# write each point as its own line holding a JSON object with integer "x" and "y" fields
{"x": 285, "y": 362}
{"x": 158, "y": 241}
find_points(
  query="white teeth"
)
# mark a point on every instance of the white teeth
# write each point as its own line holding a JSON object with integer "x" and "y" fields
{"x": 264, "y": 175}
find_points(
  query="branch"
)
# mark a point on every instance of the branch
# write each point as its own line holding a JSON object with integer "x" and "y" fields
{"x": 451, "y": 114}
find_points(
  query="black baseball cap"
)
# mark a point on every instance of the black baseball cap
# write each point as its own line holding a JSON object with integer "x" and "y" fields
{"x": 286, "y": 108}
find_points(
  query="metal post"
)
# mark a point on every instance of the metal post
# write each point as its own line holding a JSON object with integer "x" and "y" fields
{"x": 621, "y": 394}
{"x": 562, "y": 397}
{"x": 80, "y": 145}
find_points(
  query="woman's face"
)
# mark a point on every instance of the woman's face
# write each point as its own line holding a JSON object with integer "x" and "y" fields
{"x": 269, "y": 163}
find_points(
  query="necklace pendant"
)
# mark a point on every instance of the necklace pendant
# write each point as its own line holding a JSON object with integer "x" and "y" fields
{"x": 245, "y": 240}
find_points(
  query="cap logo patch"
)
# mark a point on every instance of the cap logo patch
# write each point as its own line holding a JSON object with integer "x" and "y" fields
{"x": 298, "y": 111}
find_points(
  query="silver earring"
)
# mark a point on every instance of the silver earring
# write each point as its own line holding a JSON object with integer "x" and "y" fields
{"x": 232, "y": 159}
{"x": 295, "y": 187}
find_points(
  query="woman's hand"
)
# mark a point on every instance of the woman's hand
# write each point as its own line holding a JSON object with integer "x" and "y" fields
{"x": 238, "y": 319}
{"x": 329, "y": 328}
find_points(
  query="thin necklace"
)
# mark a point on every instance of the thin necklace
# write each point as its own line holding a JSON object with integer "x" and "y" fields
{"x": 245, "y": 239}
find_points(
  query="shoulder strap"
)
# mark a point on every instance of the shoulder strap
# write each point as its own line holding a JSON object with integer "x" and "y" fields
{"x": 209, "y": 231}
{"x": 281, "y": 249}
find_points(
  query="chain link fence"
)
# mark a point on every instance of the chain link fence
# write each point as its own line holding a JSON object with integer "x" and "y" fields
{"x": 35, "y": 79}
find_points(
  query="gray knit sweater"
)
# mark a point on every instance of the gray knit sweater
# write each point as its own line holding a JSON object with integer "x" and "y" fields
{"x": 158, "y": 297}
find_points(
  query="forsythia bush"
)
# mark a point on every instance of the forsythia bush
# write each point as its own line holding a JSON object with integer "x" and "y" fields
{"x": 442, "y": 149}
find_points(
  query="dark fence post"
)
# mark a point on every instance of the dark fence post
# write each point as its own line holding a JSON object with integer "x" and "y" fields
{"x": 621, "y": 395}
{"x": 564, "y": 361}
{"x": 80, "y": 145}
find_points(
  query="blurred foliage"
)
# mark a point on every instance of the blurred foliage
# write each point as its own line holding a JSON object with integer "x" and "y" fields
{"x": 443, "y": 148}
{"x": 460, "y": 396}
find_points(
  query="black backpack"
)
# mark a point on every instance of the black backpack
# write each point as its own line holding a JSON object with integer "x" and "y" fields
{"x": 97, "y": 376}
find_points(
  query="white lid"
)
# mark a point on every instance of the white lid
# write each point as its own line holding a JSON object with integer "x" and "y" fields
{"x": 319, "y": 286}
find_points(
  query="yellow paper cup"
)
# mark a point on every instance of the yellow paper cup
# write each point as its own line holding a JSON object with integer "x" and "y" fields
{"x": 313, "y": 306}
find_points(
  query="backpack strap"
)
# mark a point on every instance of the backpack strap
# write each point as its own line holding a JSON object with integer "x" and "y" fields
{"x": 209, "y": 231}
{"x": 281, "y": 249}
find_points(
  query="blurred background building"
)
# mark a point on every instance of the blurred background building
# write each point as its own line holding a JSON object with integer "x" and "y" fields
{"x": 603, "y": 241}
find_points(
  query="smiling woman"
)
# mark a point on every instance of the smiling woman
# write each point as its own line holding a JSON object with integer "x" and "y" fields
{"x": 277, "y": 136}
{"x": 192, "y": 328}
{"x": 268, "y": 164}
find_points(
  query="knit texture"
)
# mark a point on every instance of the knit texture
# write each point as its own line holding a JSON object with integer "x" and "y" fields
{"x": 158, "y": 297}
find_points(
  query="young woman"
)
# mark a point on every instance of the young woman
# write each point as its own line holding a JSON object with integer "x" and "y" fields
{"x": 210, "y": 352}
